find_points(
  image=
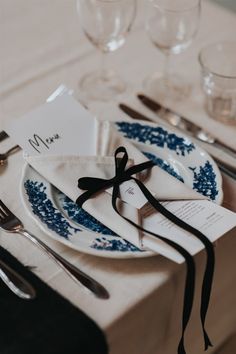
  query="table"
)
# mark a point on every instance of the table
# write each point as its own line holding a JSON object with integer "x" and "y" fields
{"x": 42, "y": 46}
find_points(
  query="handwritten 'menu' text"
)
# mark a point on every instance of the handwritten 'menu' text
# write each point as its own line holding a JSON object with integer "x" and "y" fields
{"x": 37, "y": 142}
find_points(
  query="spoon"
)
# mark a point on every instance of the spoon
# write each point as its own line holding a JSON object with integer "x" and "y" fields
{"x": 3, "y": 157}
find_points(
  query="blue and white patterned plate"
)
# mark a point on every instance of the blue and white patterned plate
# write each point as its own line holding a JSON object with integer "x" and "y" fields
{"x": 62, "y": 220}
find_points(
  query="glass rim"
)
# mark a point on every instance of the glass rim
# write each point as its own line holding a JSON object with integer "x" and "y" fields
{"x": 190, "y": 7}
{"x": 203, "y": 65}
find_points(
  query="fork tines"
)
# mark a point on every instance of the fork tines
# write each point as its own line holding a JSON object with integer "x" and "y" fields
{"x": 4, "y": 211}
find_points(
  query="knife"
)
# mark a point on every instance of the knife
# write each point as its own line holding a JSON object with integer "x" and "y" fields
{"x": 16, "y": 283}
{"x": 229, "y": 170}
{"x": 184, "y": 124}
{"x": 3, "y": 135}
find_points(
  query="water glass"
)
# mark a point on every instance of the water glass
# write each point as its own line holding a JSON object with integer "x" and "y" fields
{"x": 106, "y": 24}
{"x": 171, "y": 26}
{"x": 218, "y": 67}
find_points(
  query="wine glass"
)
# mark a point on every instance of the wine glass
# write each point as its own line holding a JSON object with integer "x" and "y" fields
{"x": 106, "y": 24}
{"x": 171, "y": 26}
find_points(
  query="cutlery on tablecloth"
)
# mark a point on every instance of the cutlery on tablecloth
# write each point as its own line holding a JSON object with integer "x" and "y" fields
{"x": 10, "y": 223}
{"x": 4, "y": 156}
{"x": 15, "y": 282}
{"x": 229, "y": 170}
{"x": 184, "y": 124}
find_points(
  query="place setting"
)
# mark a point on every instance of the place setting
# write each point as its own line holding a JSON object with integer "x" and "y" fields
{"x": 62, "y": 152}
{"x": 147, "y": 182}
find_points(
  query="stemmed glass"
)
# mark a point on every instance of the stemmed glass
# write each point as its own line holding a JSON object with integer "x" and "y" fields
{"x": 171, "y": 26}
{"x": 106, "y": 24}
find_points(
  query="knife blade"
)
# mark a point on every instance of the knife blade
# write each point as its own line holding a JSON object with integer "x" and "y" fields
{"x": 133, "y": 113}
{"x": 184, "y": 124}
{"x": 3, "y": 135}
{"x": 229, "y": 170}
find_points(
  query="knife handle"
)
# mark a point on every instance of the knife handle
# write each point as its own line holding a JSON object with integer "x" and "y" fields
{"x": 16, "y": 283}
{"x": 226, "y": 170}
{"x": 221, "y": 146}
{"x": 134, "y": 114}
{"x": 3, "y": 135}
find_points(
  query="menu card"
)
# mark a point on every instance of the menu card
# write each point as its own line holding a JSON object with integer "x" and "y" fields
{"x": 211, "y": 219}
{"x": 61, "y": 127}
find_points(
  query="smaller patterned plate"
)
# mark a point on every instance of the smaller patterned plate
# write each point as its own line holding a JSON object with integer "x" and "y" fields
{"x": 177, "y": 155}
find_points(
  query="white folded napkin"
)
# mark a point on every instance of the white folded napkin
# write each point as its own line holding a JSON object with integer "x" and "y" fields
{"x": 64, "y": 171}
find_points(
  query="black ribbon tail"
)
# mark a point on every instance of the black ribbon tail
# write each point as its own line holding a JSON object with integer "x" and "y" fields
{"x": 95, "y": 185}
{"x": 207, "y": 341}
{"x": 181, "y": 349}
{"x": 206, "y": 288}
{"x": 190, "y": 274}
{"x": 210, "y": 263}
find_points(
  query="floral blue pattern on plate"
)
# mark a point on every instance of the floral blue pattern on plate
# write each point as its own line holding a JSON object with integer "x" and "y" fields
{"x": 81, "y": 217}
{"x": 156, "y": 135}
{"x": 64, "y": 221}
{"x": 120, "y": 245}
{"x": 45, "y": 210}
{"x": 164, "y": 165}
{"x": 204, "y": 181}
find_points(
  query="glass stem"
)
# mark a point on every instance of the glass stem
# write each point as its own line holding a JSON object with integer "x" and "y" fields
{"x": 104, "y": 72}
{"x": 166, "y": 72}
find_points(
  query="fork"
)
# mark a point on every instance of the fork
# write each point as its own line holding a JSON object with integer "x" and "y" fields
{"x": 10, "y": 223}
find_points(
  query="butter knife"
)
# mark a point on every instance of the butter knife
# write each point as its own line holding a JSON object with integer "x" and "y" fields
{"x": 16, "y": 283}
{"x": 184, "y": 124}
{"x": 229, "y": 170}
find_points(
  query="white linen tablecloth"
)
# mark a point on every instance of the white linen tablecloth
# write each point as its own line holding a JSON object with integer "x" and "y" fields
{"x": 42, "y": 46}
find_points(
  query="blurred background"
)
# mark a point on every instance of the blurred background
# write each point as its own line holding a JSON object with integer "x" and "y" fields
{"x": 50, "y": 41}
{"x": 231, "y": 4}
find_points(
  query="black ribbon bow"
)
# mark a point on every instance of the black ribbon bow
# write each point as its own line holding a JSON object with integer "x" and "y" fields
{"x": 95, "y": 185}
